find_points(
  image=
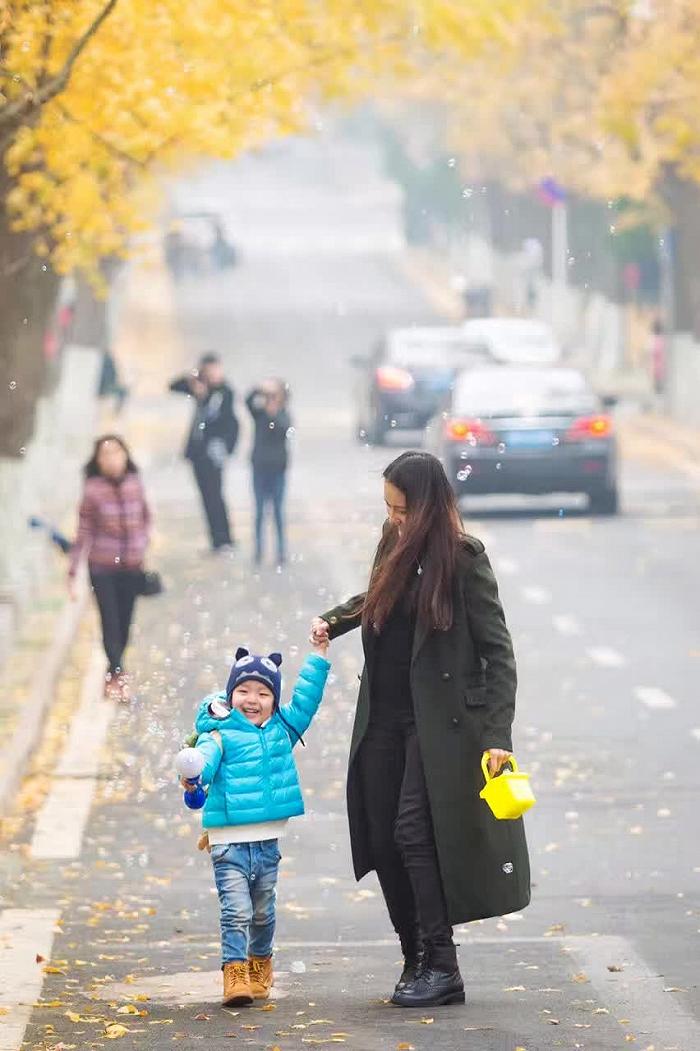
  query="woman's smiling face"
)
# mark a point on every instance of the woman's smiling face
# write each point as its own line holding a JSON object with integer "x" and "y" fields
{"x": 254, "y": 700}
{"x": 395, "y": 502}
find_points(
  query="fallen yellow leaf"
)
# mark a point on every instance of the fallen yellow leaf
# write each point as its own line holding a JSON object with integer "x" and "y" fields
{"x": 53, "y": 970}
{"x": 403, "y": 1046}
{"x": 115, "y": 1031}
{"x": 427, "y": 1021}
{"x": 75, "y": 1017}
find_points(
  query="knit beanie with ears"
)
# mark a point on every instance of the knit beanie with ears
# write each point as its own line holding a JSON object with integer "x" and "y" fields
{"x": 251, "y": 668}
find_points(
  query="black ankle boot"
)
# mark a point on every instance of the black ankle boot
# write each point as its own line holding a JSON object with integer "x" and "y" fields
{"x": 412, "y": 963}
{"x": 431, "y": 987}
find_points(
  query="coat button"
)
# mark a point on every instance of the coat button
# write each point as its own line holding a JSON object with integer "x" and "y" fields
{"x": 334, "y": 620}
{"x": 446, "y": 676}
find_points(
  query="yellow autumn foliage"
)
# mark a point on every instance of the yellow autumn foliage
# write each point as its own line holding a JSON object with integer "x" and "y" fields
{"x": 605, "y": 97}
{"x": 160, "y": 82}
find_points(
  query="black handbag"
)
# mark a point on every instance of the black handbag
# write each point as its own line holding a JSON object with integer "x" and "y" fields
{"x": 151, "y": 583}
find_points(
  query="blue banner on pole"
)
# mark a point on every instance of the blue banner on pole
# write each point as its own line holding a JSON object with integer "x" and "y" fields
{"x": 550, "y": 192}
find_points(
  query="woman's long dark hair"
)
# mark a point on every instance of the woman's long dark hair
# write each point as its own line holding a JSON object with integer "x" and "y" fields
{"x": 429, "y": 538}
{"x": 92, "y": 469}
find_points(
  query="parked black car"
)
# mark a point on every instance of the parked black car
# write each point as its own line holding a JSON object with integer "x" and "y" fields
{"x": 528, "y": 430}
{"x": 407, "y": 379}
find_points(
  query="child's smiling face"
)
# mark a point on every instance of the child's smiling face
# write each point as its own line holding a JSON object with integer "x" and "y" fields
{"x": 254, "y": 700}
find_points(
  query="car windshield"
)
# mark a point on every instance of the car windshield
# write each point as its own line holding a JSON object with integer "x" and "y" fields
{"x": 521, "y": 392}
{"x": 432, "y": 350}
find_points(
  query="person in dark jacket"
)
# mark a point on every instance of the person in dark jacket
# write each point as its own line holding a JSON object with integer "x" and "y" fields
{"x": 268, "y": 407}
{"x": 113, "y": 533}
{"x": 212, "y": 439}
{"x": 437, "y": 690}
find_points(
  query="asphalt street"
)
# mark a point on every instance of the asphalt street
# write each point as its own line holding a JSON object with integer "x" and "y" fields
{"x": 604, "y": 615}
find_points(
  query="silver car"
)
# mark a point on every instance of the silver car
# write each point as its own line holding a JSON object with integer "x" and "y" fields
{"x": 527, "y": 430}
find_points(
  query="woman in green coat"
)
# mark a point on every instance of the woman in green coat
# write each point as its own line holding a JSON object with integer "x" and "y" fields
{"x": 437, "y": 690}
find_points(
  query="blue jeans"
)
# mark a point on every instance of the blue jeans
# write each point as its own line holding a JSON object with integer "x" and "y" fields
{"x": 246, "y": 879}
{"x": 269, "y": 488}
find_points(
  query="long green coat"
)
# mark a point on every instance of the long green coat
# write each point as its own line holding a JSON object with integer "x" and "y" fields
{"x": 463, "y": 683}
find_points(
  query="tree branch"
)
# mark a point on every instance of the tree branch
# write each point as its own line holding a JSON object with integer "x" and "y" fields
{"x": 16, "y": 111}
{"x": 116, "y": 151}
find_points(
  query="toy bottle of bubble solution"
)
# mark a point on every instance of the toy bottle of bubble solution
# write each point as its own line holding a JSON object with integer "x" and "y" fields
{"x": 189, "y": 764}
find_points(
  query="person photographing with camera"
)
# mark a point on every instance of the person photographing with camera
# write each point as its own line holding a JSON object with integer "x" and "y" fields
{"x": 212, "y": 438}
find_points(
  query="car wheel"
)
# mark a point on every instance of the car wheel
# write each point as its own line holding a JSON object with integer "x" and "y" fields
{"x": 376, "y": 431}
{"x": 604, "y": 501}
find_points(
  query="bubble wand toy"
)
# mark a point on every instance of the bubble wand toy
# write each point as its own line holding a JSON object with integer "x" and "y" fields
{"x": 189, "y": 764}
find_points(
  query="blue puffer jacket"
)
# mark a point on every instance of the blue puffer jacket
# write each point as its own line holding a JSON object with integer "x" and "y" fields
{"x": 252, "y": 776}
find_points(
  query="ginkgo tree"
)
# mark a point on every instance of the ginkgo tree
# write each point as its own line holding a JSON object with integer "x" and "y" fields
{"x": 95, "y": 97}
{"x": 605, "y": 97}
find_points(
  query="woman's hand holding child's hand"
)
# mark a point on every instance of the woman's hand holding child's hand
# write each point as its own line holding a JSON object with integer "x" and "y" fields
{"x": 319, "y": 633}
{"x": 320, "y": 644}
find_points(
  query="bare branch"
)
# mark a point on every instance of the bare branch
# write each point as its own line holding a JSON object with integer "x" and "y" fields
{"x": 16, "y": 111}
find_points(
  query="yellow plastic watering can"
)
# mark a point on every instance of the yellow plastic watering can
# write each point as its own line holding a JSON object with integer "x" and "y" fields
{"x": 508, "y": 794}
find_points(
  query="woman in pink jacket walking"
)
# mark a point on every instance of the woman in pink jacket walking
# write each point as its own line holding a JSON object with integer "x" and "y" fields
{"x": 113, "y": 534}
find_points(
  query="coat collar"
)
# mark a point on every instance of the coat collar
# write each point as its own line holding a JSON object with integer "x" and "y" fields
{"x": 419, "y": 637}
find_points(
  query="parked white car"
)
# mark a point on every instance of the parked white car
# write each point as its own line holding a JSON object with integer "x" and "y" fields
{"x": 514, "y": 341}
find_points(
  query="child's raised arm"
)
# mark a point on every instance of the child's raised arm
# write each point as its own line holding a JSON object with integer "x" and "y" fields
{"x": 308, "y": 693}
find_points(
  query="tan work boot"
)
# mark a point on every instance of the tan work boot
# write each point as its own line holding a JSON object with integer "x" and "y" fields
{"x": 237, "y": 990}
{"x": 261, "y": 977}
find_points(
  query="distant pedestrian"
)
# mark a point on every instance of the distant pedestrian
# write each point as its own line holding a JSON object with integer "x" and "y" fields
{"x": 113, "y": 534}
{"x": 438, "y": 689}
{"x": 270, "y": 458}
{"x": 212, "y": 439}
{"x": 658, "y": 354}
{"x": 246, "y": 739}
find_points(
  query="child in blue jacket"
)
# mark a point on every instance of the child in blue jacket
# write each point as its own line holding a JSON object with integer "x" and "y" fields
{"x": 253, "y": 789}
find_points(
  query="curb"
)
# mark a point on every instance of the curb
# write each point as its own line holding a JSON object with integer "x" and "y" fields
{"x": 16, "y": 753}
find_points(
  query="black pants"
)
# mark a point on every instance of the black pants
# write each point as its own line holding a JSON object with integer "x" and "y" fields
{"x": 402, "y": 841}
{"x": 116, "y": 593}
{"x": 209, "y": 478}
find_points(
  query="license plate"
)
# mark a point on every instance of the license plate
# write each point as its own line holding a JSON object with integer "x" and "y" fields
{"x": 530, "y": 439}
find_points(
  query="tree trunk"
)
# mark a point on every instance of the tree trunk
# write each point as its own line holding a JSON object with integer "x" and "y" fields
{"x": 683, "y": 198}
{"x": 28, "y": 291}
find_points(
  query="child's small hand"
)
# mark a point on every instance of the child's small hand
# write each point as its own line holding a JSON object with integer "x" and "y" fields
{"x": 320, "y": 645}
{"x": 188, "y": 786}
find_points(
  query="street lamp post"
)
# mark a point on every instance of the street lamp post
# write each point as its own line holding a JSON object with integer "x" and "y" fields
{"x": 551, "y": 193}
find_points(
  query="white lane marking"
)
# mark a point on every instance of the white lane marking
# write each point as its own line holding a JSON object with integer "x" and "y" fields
{"x": 507, "y": 566}
{"x": 636, "y": 993}
{"x": 81, "y": 756}
{"x": 23, "y": 934}
{"x": 61, "y": 821}
{"x": 533, "y": 593}
{"x": 185, "y": 987}
{"x": 565, "y": 624}
{"x": 654, "y": 697}
{"x": 606, "y": 657}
